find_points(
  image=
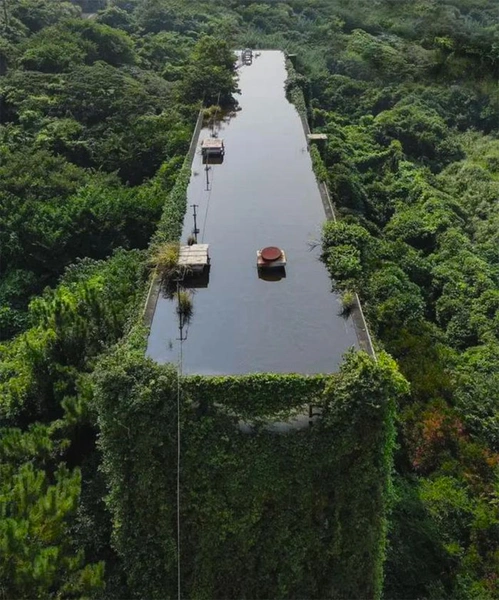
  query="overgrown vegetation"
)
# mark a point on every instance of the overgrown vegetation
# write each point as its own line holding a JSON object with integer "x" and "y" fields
{"x": 407, "y": 94}
{"x": 246, "y": 497}
{"x": 164, "y": 259}
{"x": 95, "y": 121}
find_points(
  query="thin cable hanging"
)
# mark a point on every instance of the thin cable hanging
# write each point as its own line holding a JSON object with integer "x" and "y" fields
{"x": 179, "y": 377}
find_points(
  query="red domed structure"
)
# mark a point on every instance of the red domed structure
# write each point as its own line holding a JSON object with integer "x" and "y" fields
{"x": 270, "y": 257}
{"x": 271, "y": 253}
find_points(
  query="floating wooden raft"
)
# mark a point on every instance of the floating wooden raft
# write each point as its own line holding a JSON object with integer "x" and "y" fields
{"x": 212, "y": 147}
{"x": 194, "y": 258}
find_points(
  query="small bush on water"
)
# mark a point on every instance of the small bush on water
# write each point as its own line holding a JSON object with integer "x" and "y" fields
{"x": 347, "y": 302}
{"x": 184, "y": 306}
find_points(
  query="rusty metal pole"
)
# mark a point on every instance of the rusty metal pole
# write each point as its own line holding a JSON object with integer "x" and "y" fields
{"x": 195, "y": 231}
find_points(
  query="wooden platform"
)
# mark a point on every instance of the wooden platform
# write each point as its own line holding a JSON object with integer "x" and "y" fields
{"x": 212, "y": 147}
{"x": 194, "y": 258}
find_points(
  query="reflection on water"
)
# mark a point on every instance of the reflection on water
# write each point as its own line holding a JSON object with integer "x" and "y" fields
{"x": 272, "y": 274}
{"x": 263, "y": 194}
{"x": 213, "y": 160}
{"x": 198, "y": 280}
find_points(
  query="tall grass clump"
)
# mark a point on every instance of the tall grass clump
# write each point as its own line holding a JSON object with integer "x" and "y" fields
{"x": 347, "y": 302}
{"x": 185, "y": 307}
{"x": 164, "y": 258}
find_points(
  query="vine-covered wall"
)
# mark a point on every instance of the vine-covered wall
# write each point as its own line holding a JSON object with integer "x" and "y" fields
{"x": 256, "y": 396}
{"x": 262, "y": 515}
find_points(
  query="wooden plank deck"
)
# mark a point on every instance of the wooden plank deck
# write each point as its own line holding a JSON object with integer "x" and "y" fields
{"x": 212, "y": 146}
{"x": 194, "y": 257}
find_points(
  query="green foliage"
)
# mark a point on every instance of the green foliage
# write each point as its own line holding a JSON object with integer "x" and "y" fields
{"x": 53, "y": 50}
{"x": 83, "y": 106}
{"x": 71, "y": 325}
{"x": 348, "y": 302}
{"x": 184, "y": 306}
{"x": 362, "y": 408}
{"x": 210, "y": 74}
{"x": 64, "y": 46}
{"x": 255, "y": 396}
{"x": 129, "y": 390}
{"x": 81, "y": 98}
{"x": 414, "y": 540}
{"x": 348, "y": 251}
{"x": 115, "y": 17}
{"x": 422, "y": 133}
{"x": 41, "y": 238}
{"x": 397, "y": 87}
{"x": 396, "y": 298}
{"x": 164, "y": 259}
{"x": 37, "y": 557}
{"x": 164, "y": 51}
{"x": 407, "y": 94}
{"x": 250, "y": 495}
{"x": 107, "y": 44}
{"x": 170, "y": 225}
{"x": 43, "y": 177}
{"x": 35, "y": 15}
{"x": 295, "y": 88}
{"x": 475, "y": 393}
{"x": 415, "y": 191}
{"x": 318, "y": 164}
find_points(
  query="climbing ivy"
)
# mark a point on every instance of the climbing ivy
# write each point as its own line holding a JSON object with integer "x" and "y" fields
{"x": 256, "y": 395}
{"x": 318, "y": 164}
{"x": 262, "y": 515}
{"x": 170, "y": 225}
{"x": 295, "y": 84}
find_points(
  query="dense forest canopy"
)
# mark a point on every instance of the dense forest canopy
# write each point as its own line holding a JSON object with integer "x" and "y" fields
{"x": 96, "y": 117}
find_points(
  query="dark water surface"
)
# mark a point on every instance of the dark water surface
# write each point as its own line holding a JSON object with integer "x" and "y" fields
{"x": 263, "y": 194}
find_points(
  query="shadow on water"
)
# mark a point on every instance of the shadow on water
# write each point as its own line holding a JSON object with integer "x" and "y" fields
{"x": 263, "y": 192}
{"x": 212, "y": 160}
{"x": 198, "y": 281}
{"x": 272, "y": 275}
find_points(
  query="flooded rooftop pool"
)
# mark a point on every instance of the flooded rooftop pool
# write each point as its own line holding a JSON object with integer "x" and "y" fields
{"x": 264, "y": 193}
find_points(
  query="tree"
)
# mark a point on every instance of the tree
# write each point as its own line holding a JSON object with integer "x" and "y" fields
{"x": 348, "y": 251}
{"x": 210, "y": 75}
{"x": 111, "y": 45}
{"x": 116, "y": 17}
{"x": 53, "y": 50}
{"x": 421, "y": 131}
{"x": 37, "y": 558}
{"x": 37, "y": 14}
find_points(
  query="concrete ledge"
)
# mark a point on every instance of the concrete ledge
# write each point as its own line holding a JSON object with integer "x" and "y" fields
{"x": 155, "y": 285}
{"x": 357, "y": 314}
{"x": 151, "y": 300}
